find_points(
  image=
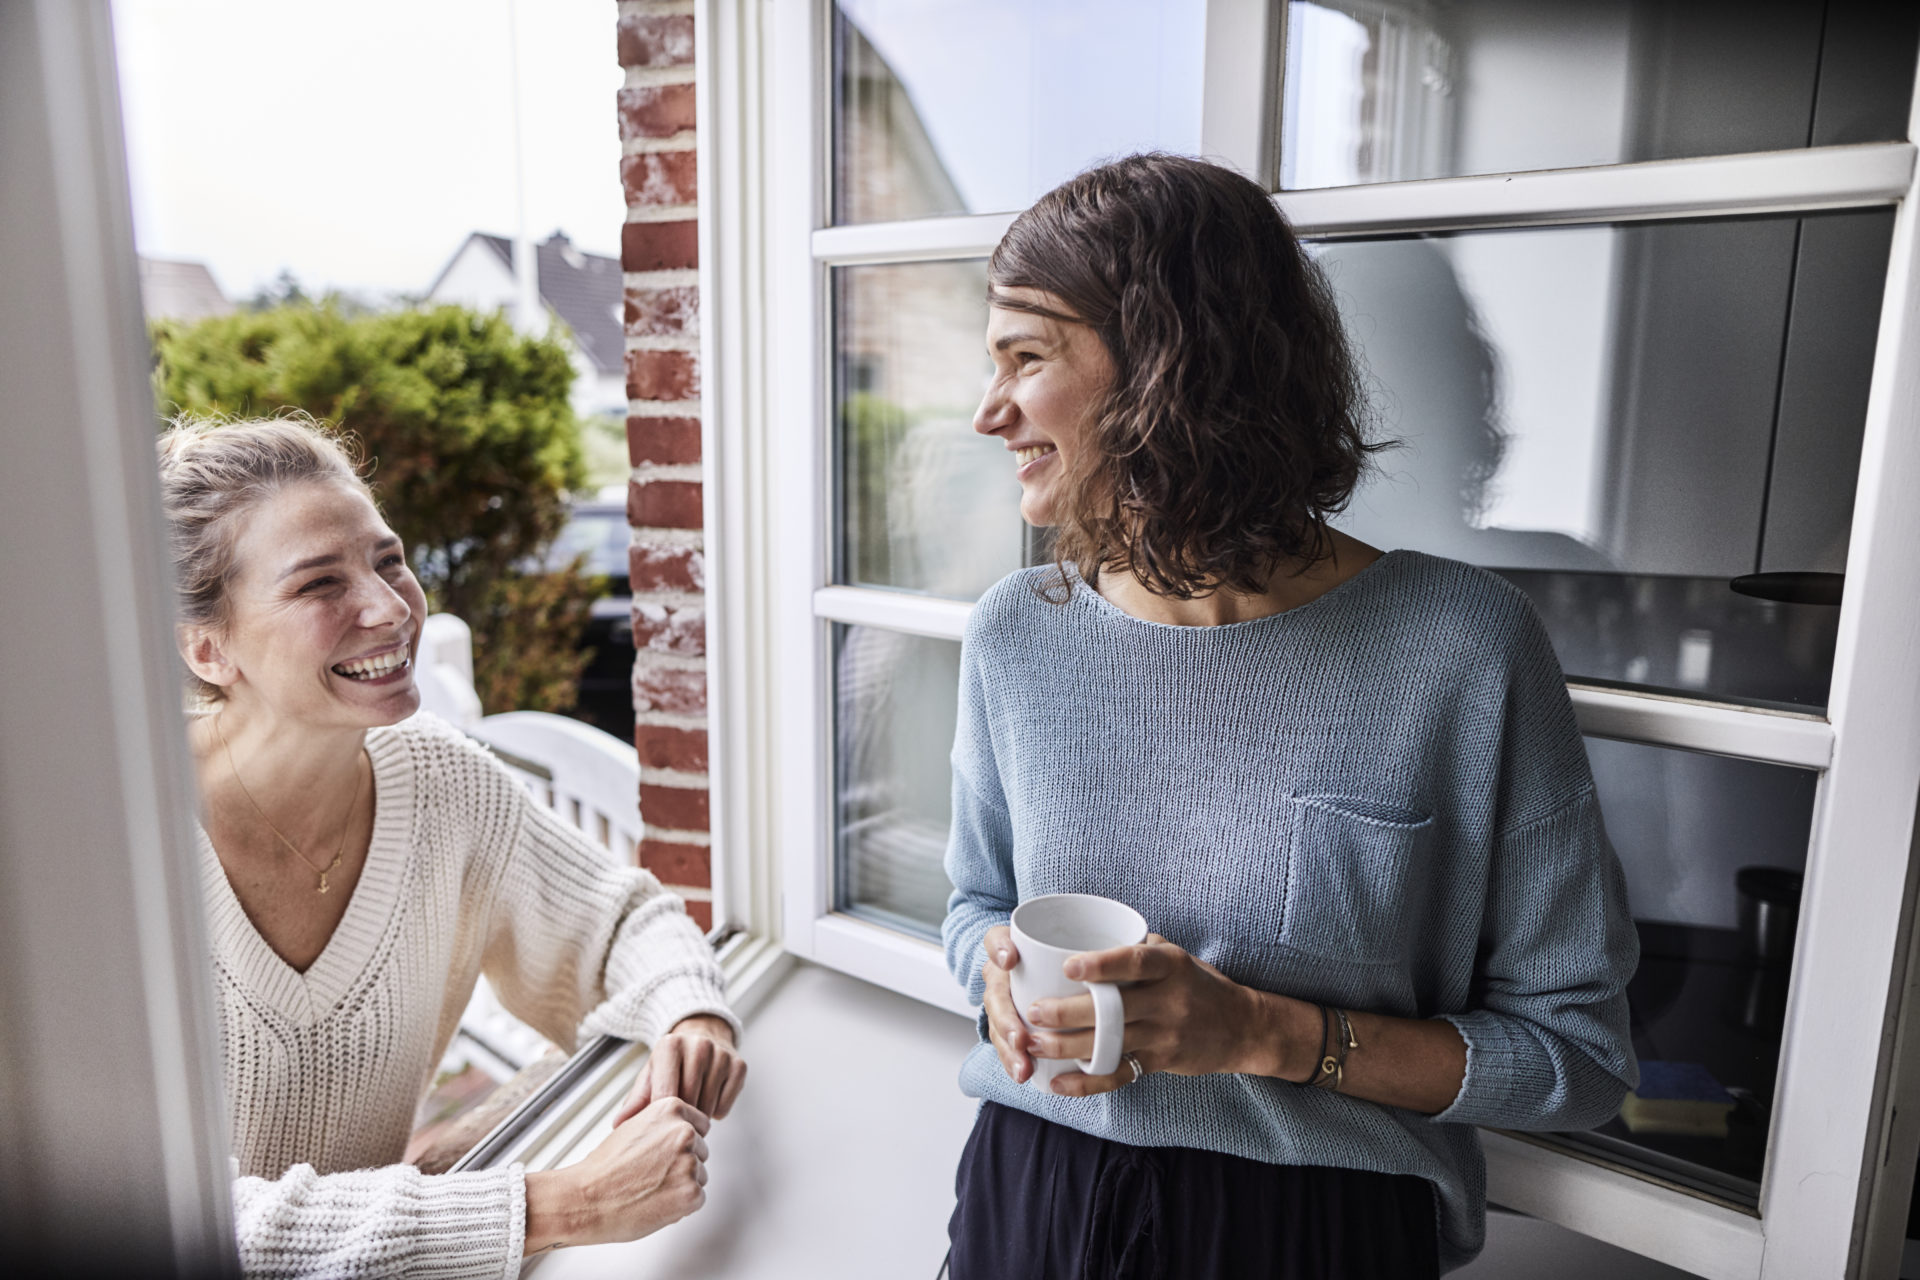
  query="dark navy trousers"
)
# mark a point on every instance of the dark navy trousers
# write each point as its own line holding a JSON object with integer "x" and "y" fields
{"x": 1040, "y": 1201}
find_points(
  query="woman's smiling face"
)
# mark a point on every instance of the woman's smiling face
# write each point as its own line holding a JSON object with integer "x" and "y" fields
{"x": 324, "y": 615}
{"x": 1049, "y": 378}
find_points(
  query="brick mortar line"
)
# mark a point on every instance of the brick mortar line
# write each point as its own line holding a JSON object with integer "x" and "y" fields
{"x": 663, "y": 408}
{"x": 656, "y": 660}
{"x": 654, "y": 77}
{"x": 665, "y": 278}
{"x": 674, "y": 539}
{"x": 654, "y": 8}
{"x": 661, "y": 342}
{"x": 653, "y": 530}
{"x": 669, "y": 720}
{"x": 678, "y": 539}
{"x": 669, "y": 835}
{"x": 688, "y": 892}
{"x": 669, "y": 598}
{"x": 648, "y": 472}
{"x": 644, "y": 214}
{"x": 659, "y": 661}
{"x": 682, "y": 778}
{"x": 681, "y": 141}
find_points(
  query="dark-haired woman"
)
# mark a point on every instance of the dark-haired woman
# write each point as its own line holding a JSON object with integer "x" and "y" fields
{"x": 1346, "y": 789}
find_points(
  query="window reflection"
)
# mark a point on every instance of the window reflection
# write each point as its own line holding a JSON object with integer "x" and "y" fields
{"x": 1624, "y": 419}
{"x": 926, "y": 504}
{"x": 1393, "y": 90}
{"x": 979, "y": 106}
{"x": 1713, "y": 849}
{"x": 894, "y": 712}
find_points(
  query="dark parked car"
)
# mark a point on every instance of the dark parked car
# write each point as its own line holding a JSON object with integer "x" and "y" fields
{"x": 598, "y": 530}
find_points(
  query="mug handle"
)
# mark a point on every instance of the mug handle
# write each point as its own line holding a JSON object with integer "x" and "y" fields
{"x": 1109, "y": 1025}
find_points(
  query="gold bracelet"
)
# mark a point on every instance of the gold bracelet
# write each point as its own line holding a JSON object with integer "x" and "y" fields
{"x": 1332, "y": 1072}
{"x": 1313, "y": 1077}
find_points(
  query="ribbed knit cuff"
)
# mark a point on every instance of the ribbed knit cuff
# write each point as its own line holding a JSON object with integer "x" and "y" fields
{"x": 472, "y": 1224}
{"x": 379, "y": 1222}
{"x": 662, "y": 1003}
{"x": 516, "y": 1220}
{"x": 1503, "y": 1066}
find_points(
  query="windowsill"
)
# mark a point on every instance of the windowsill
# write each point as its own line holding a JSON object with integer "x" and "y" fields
{"x": 838, "y": 1159}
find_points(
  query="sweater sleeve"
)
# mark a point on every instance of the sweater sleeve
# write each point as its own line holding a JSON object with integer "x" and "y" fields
{"x": 578, "y": 941}
{"x": 980, "y": 848}
{"x": 381, "y": 1222}
{"x": 1548, "y": 1045}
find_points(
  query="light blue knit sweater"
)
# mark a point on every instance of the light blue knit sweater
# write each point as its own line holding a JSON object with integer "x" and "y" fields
{"x": 1379, "y": 800}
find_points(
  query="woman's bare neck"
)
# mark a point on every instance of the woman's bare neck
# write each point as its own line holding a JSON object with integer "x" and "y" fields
{"x": 287, "y": 769}
{"x": 1288, "y": 588}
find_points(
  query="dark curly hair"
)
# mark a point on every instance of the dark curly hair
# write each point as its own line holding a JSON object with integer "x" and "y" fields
{"x": 1234, "y": 425}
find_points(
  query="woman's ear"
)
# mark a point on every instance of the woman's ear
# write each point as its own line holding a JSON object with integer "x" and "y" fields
{"x": 206, "y": 656}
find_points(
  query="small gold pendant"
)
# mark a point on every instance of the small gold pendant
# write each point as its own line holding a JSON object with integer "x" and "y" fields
{"x": 323, "y": 882}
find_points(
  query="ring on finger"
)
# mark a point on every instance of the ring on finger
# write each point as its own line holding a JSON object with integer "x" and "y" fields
{"x": 1138, "y": 1070}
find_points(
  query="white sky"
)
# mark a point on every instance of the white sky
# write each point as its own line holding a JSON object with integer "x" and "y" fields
{"x": 357, "y": 142}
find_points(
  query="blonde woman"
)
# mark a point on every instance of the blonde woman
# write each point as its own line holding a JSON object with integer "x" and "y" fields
{"x": 363, "y": 866}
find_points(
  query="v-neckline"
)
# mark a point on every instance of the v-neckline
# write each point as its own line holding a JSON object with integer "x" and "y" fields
{"x": 310, "y": 996}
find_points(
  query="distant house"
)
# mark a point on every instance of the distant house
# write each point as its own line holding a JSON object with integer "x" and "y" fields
{"x": 581, "y": 289}
{"x": 180, "y": 291}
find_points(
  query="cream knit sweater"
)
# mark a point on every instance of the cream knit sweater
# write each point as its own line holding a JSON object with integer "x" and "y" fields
{"x": 465, "y": 874}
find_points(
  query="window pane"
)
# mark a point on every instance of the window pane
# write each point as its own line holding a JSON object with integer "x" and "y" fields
{"x": 925, "y": 503}
{"x": 1388, "y": 90}
{"x": 1705, "y": 842}
{"x": 980, "y": 106}
{"x": 1624, "y": 419}
{"x": 894, "y": 708}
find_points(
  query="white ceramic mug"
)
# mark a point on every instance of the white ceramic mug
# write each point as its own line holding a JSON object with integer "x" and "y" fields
{"x": 1048, "y": 930}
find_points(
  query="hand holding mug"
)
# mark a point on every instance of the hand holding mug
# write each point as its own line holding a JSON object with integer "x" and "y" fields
{"x": 1025, "y": 964}
{"x": 1183, "y": 1016}
{"x": 1004, "y": 1028}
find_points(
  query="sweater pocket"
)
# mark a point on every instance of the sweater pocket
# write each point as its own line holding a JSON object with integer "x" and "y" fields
{"x": 1354, "y": 867}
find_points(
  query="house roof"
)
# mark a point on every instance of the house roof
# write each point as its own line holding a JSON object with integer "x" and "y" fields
{"x": 180, "y": 290}
{"x": 583, "y": 289}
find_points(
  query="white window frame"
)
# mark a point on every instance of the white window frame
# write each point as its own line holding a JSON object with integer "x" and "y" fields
{"x": 1840, "y": 1160}
{"x": 102, "y": 944}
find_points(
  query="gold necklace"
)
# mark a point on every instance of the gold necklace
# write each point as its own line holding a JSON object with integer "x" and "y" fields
{"x": 346, "y": 829}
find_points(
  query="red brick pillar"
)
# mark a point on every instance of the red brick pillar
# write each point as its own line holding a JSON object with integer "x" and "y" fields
{"x": 659, "y": 252}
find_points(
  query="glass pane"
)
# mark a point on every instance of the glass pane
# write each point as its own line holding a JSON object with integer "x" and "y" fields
{"x": 1713, "y": 851}
{"x": 1624, "y": 419}
{"x": 1389, "y": 90}
{"x": 980, "y": 106}
{"x": 925, "y": 503}
{"x": 894, "y": 710}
